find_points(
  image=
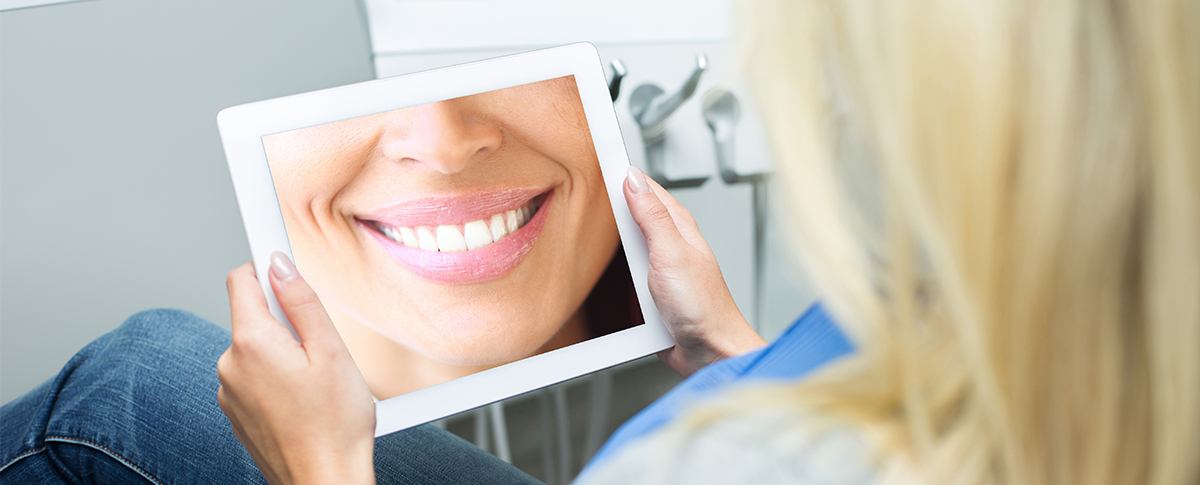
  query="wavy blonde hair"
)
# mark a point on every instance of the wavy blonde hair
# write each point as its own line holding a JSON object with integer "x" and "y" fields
{"x": 1020, "y": 273}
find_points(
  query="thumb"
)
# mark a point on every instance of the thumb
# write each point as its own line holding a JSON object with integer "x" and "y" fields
{"x": 662, "y": 235}
{"x": 300, "y": 303}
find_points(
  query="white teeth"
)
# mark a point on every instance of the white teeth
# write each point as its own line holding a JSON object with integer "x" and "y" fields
{"x": 408, "y": 237}
{"x": 389, "y": 232}
{"x": 472, "y": 235}
{"x": 510, "y": 221}
{"x": 477, "y": 234}
{"x": 450, "y": 239}
{"x": 426, "y": 239}
{"x": 497, "y": 227}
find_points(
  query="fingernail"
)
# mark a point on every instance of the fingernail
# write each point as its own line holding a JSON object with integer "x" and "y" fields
{"x": 282, "y": 267}
{"x": 636, "y": 180}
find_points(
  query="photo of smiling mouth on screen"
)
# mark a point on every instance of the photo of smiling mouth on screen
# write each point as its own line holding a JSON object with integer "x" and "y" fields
{"x": 455, "y": 236}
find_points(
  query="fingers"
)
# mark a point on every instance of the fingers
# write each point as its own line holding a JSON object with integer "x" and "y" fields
{"x": 300, "y": 304}
{"x": 253, "y": 322}
{"x": 247, "y": 304}
{"x": 685, "y": 224}
{"x": 682, "y": 217}
{"x": 662, "y": 235}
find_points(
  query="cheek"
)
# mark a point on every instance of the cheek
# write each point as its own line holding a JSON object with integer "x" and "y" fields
{"x": 603, "y": 227}
{"x": 595, "y": 222}
{"x": 578, "y": 157}
{"x": 315, "y": 163}
{"x": 597, "y": 227}
{"x": 589, "y": 182}
{"x": 313, "y": 180}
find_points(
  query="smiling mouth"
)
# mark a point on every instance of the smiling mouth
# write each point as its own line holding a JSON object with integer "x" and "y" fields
{"x": 476, "y": 234}
{"x": 462, "y": 239}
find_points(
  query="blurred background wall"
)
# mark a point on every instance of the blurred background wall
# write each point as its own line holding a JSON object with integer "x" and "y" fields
{"x": 114, "y": 194}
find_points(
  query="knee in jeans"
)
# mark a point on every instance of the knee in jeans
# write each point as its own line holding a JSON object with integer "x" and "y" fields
{"x": 162, "y": 333}
{"x": 155, "y": 322}
{"x": 158, "y": 366}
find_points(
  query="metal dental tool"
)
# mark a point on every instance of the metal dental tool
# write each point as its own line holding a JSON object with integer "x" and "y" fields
{"x": 651, "y": 107}
{"x": 722, "y": 112}
{"x": 614, "y": 82}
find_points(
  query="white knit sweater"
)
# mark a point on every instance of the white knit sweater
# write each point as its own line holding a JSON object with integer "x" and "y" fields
{"x": 769, "y": 447}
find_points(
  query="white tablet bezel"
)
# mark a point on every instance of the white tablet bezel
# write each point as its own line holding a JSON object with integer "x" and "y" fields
{"x": 243, "y": 127}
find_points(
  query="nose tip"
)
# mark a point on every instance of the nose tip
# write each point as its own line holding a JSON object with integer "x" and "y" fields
{"x": 442, "y": 136}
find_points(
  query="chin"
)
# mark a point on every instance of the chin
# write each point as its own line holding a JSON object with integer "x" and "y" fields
{"x": 467, "y": 348}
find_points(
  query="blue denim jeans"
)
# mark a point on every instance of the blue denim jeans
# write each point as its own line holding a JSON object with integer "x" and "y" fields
{"x": 140, "y": 405}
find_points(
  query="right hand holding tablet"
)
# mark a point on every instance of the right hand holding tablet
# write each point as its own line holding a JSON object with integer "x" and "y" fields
{"x": 686, "y": 281}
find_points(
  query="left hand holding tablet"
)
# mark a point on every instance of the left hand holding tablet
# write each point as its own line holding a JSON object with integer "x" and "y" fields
{"x": 686, "y": 282}
{"x": 301, "y": 408}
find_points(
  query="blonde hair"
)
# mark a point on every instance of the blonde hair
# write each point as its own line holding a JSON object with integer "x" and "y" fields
{"x": 1021, "y": 275}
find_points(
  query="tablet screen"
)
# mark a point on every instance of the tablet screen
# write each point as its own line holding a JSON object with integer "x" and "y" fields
{"x": 456, "y": 236}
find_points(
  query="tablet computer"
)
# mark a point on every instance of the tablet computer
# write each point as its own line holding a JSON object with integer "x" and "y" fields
{"x": 465, "y": 227}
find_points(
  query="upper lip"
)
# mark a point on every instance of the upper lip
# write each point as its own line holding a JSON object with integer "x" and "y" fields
{"x": 452, "y": 209}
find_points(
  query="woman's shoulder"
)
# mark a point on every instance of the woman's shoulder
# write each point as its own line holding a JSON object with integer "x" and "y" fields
{"x": 756, "y": 446}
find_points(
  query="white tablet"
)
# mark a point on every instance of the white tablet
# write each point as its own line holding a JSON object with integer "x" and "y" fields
{"x": 465, "y": 227}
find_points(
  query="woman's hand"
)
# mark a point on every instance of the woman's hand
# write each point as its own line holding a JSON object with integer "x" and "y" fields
{"x": 302, "y": 409}
{"x": 686, "y": 281}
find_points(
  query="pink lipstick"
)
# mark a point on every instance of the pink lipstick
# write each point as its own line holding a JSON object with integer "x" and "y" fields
{"x": 461, "y": 239}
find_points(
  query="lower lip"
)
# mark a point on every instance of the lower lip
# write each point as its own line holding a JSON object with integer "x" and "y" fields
{"x": 474, "y": 266}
